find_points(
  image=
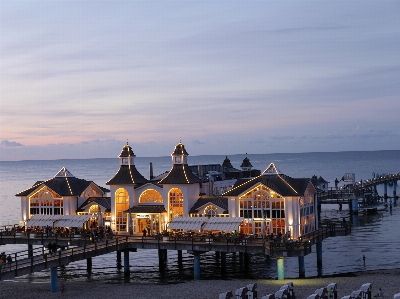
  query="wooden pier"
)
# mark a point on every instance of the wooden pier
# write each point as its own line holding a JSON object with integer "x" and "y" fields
{"x": 72, "y": 249}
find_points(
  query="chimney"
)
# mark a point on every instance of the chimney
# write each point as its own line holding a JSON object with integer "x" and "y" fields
{"x": 151, "y": 171}
{"x": 200, "y": 171}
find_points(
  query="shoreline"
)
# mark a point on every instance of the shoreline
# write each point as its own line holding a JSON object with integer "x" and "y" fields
{"x": 388, "y": 280}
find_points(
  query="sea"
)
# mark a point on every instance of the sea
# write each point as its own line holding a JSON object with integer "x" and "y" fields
{"x": 375, "y": 236}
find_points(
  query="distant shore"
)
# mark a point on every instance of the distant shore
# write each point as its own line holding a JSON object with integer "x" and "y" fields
{"x": 388, "y": 280}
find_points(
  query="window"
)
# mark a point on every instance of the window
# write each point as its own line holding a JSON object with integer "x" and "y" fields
{"x": 121, "y": 205}
{"x": 211, "y": 211}
{"x": 150, "y": 196}
{"x": 262, "y": 205}
{"x": 175, "y": 198}
{"x": 46, "y": 202}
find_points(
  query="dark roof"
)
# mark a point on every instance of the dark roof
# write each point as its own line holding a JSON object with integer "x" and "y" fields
{"x": 317, "y": 181}
{"x": 227, "y": 163}
{"x": 218, "y": 201}
{"x": 205, "y": 168}
{"x": 180, "y": 150}
{"x": 127, "y": 175}
{"x": 282, "y": 184}
{"x": 246, "y": 163}
{"x": 63, "y": 186}
{"x": 147, "y": 209}
{"x": 102, "y": 201}
{"x": 126, "y": 151}
{"x": 180, "y": 174}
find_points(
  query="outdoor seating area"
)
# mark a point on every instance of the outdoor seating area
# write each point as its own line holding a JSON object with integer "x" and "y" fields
{"x": 250, "y": 292}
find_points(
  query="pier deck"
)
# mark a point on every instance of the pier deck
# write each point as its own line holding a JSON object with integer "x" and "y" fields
{"x": 34, "y": 260}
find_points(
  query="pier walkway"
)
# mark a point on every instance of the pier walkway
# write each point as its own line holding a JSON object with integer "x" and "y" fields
{"x": 72, "y": 249}
{"x": 363, "y": 191}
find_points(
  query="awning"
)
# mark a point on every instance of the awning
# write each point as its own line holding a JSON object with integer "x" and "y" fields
{"x": 187, "y": 223}
{"x": 42, "y": 220}
{"x": 206, "y": 223}
{"x": 147, "y": 209}
{"x": 223, "y": 223}
{"x": 72, "y": 221}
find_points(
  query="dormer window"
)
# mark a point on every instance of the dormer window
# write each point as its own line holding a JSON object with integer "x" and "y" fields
{"x": 177, "y": 159}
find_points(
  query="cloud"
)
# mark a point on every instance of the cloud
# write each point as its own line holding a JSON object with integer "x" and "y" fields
{"x": 6, "y": 143}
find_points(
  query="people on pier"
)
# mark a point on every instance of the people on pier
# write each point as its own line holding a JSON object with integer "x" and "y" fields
{"x": 9, "y": 260}
{"x": 364, "y": 258}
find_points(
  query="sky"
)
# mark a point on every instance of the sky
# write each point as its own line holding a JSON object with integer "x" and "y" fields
{"x": 78, "y": 79}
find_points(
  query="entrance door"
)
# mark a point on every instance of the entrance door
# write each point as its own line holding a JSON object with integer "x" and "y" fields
{"x": 143, "y": 223}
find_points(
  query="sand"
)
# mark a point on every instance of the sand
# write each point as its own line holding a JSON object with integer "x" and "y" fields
{"x": 388, "y": 280}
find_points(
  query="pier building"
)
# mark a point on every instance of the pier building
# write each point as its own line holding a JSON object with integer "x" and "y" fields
{"x": 269, "y": 202}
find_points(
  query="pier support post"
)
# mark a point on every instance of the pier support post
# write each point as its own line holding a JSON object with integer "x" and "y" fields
{"x": 223, "y": 262}
{"x": 241, "y": 259}
{"x": 119, "y": 264}
{"x": 53, "y": 280}
{"x": 180, "y": 258}
{"x": 354, "y": 206}
{"x": 30, "y": 250}
{"x": 127, "y": 271}
{"x": 394, "y": 191}
{"x": 319, "y": 253}
{"x": 217, "y": 255}
{"x": 280, "y": 263}
{"x": 162, "y": 258}
{"x": 385, "y": 196}
{"x": 246, "y": 261}
{"x": 89, "y": 265}
{"x": 196, "y": 265}
{"x": 302, "y": 268}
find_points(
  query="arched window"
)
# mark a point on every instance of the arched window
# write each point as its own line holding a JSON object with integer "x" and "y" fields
{"x": 46, "y": 202}
{"x": 211, "y": 211}
{"x": 150, "y": 196}
{"x": 121, "y": 205}
{"x": 262, "y": 205}
{"x": 175, "y": 198}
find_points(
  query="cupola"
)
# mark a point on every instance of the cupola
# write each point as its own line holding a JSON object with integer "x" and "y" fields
{"x": 227, "y": 163}
{"x": 179, "y": 155}
{"x": 246, "y": 165}
{"x": 126, "y": 157}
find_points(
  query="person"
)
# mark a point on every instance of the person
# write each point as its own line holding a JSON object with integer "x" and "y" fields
{"x": 50, "y": 247}
{"x": 9, "y": 260}
{"x": 364, "y": 258}
{"x": 344, "y": 222}
{"x": 380, "y": 293}
{"x": 144, "y": 231}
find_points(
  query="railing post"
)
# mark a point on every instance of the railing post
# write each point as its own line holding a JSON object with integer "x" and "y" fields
{"x": 16, "y": 264}
{"x": 31, "y": 264}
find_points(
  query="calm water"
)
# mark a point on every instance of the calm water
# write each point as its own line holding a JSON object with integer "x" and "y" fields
{"x": 377, "y": 237}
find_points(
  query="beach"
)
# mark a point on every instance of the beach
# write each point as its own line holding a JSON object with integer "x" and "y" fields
{"x": 388, "y": 280}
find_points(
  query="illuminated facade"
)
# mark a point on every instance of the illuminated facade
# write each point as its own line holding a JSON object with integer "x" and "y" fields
{"x": 151, "y": 204}
{"x": 268, "y": 202}
{"x": 61, "y": 195}
{"x": 274, "y": 203}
